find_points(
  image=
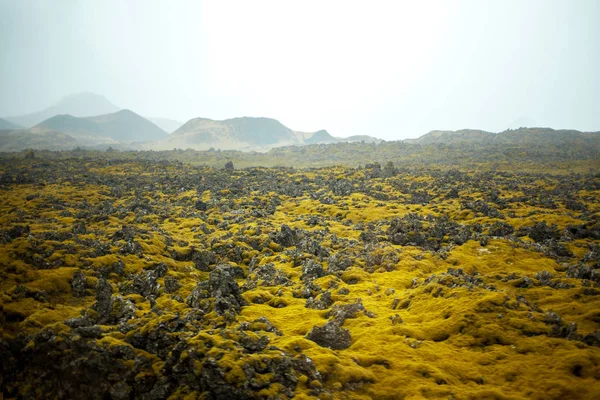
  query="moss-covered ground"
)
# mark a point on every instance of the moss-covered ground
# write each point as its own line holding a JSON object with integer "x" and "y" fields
{"x": 463, "y": 284}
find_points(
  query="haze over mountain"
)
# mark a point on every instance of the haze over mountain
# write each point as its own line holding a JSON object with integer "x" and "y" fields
{"x": 122, "y": 129}
{"x": 5, "y": 124}
{"x": 166, "y": 124}
{"x": 83, "y": 118}
{"x": 83, "y": 104}
{"x": 422, "y": 66}
{"x": 128, "y": 130}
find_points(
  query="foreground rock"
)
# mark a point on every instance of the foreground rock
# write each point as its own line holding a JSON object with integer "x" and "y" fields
{"x": 222, "y": 287}
{"x": 330, "y": 335}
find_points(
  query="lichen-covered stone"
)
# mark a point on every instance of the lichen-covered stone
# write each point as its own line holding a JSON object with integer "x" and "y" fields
{"x": 330, "y": 335}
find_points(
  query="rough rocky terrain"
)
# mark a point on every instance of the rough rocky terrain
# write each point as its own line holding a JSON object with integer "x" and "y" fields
{"x": 124, "y": 278}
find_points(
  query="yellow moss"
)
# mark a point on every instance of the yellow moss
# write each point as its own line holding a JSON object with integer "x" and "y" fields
{"x": 438, "y": 341}
{"x": 47, "y": 316}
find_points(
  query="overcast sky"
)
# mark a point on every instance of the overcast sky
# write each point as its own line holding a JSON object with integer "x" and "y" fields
{"x": 388, "y": 69}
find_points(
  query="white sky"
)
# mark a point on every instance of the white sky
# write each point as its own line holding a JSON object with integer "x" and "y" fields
{"x": 390, "y": 69}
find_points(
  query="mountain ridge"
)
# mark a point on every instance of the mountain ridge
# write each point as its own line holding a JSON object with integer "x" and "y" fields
{"x": 79, "y": 115}
{"x": 125, "y": 127}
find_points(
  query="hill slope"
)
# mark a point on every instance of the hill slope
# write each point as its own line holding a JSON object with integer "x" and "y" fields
{"x": 17, "y": 140}
{"x": 125, "y": 125}
{"x": 5, "y": 124}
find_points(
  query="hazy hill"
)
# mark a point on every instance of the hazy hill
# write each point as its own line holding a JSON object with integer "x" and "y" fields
{"x": 122, "y": 126}
{"x": 86, "y": 133}
{"x": 324, "y": 137}
{"x": 536, "y": 136}
{"x": 360, "y": 138}
{"x": 463, "y": 136}
{"x": 530, "y": 136}
{"x": 125, "y": 125}
{"x": 245, "y": 133}
{"x": 78, "y": 105}
{"x": 259, "y": 131}
{"x": 5, "y": 124}
{"x": 321, "y": 136}
{"x": 166, "y": 124}
{"x": 236, "y": 133}
{"x": 66, "y": 123}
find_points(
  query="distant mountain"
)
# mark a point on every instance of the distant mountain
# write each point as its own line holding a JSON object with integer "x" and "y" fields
{"x": 83, "y": 104}
{"x": 121, "y": 126}
{"x": 360, "y": 138}
{"x": 536, "y": 136}
{"x": 125, "y": 125}
{"x": 66, "y": 123}
{"x": 523, "y": 136}
{"x": 92, "y": 119}
{"x": 86, "y": 133}
{"x": 166, "y": 124}
{"x": 243, "y": 133}
{"x": 78, "y": 105}
{"x": 259, "y": 131}
{"x": 463, "y": 136}
{"x": 321, "y": 136}
{"x": 5, "y": 124}
{"x": 122, "y": 129}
